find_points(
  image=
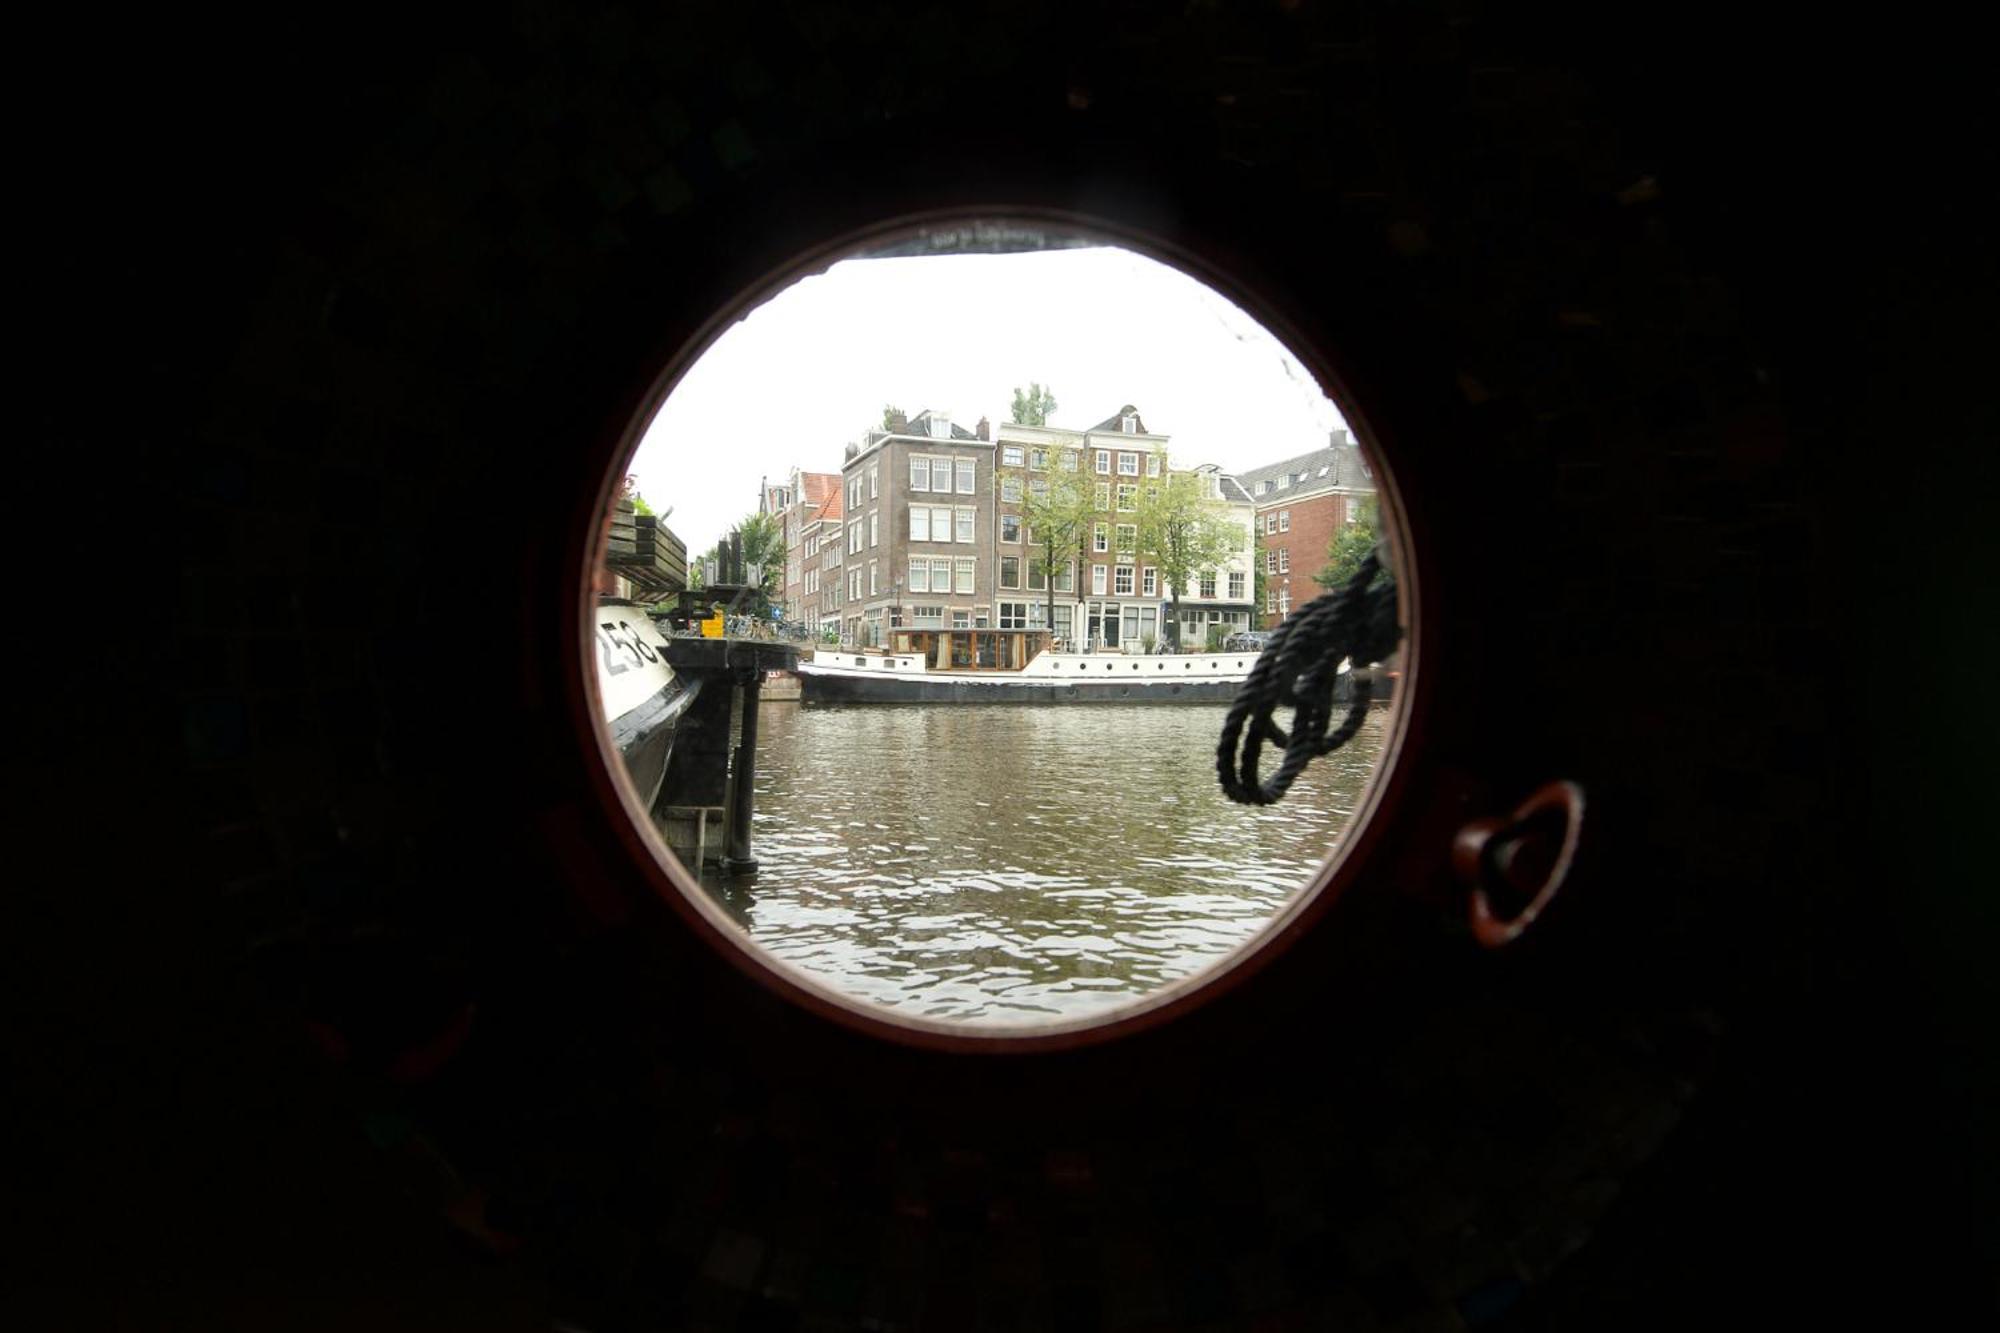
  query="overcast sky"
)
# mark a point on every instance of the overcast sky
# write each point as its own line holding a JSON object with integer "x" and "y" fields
{"x": 807, "y": 372}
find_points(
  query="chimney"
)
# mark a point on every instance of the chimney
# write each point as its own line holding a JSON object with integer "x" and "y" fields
{"x": 1338, "y": 438}
{"x": 985, "y": 430}
{"x": 898, "y": 423}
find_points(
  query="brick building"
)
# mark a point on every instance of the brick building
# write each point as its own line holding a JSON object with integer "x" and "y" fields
{"x": 1117, "y": 600}
{"x": 821, "y": 541}
{"x": 796, "y": 502}
{"x": 918, "y": 528}
{"x": 1300, "y": 503}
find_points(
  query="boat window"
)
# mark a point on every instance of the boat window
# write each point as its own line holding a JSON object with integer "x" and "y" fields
{"x": 901, "y": 851}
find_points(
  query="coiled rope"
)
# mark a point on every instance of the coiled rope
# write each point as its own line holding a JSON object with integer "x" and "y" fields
{"x": 1299, "y": 668}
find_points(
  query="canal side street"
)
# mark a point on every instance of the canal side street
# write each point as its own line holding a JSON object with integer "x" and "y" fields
{"x": 997, "y": 865}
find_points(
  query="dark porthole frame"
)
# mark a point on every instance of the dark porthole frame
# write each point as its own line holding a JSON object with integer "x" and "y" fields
{"x": 1356, "y": 858}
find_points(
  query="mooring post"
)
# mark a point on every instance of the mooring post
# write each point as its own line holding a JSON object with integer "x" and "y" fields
{"x": 749, "y": 674}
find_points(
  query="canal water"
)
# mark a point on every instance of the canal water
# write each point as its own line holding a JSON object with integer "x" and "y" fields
{"x": 990, "y": 864}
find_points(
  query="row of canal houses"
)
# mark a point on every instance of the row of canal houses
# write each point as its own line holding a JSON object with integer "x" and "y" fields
{"x": 922, "y": 528}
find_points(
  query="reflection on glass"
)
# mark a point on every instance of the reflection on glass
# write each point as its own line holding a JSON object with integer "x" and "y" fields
{"x": 928, "y": 699}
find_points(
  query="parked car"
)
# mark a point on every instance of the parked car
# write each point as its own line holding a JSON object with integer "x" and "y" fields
{"x": 1247, "y": 641}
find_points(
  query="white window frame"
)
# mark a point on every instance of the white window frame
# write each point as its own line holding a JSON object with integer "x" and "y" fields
{"x": 1270, "y": 524}
{"x": 1207, "y": 583}
{"x": 1099, "y": 578}
{"x": 854, "y": 536}
{"x": 1100, "y": 539}
{"x": 965, "y": 527}
{"x": 1038, "y": 460}
{"x": 1102, "y": 497}
{"x": 1014, "y": 519}
{"x": 854, "y": 584}
{"x": 1149, "y": 581}
{"x": 940, "y": 574}
{"x": 936, "y": 528}
{"x": 1123, "y": 580}
{"x": 1153, "y": 465}
{"x": 1128, "y": 463}
{"x": 874, "y": 580}
{"x": 920, "y": 514}
{"x": 1284, "y": 559}
{"x": 1065, "y": 580}
{"x": 919, "y": 575}
{"x": 1010, "y": 455}
{"x": 1128, "y": 497}
{"x": 1015, "y": 561}
{"x": 1237, "y": 583}
{"x": 1102, "y": 462}
{"x": 920, "y": 461}
{"x": 965, "y": 575}
{"x": 1284, "y": 520}
{"x": 874, "y": 528}
{"x": 1127, "y": 538}
{"x": 872, "y": 469}
{"x": 1010, "y": 490}
{"x": 966, "y": 470}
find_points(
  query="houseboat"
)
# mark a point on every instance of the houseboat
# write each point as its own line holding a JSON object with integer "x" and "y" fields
{"x": 640, "y": 698}
{"x": 1013, "y": 666}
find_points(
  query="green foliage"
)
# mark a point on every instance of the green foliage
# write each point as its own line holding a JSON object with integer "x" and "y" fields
{"x": 1185, "y": 530}
{"x": 639, "y": 505}
{"x": 1216, "y": 634}
{"x": 1059, "y": 519}
{"x": 1350, "y": 545}
{"x": 1033, "y": 407}
{"x": 889, "y": 412}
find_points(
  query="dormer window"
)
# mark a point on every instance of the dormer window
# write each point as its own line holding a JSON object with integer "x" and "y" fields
{"x": 940, "y": 427}
{"x": 1129, "y": 423}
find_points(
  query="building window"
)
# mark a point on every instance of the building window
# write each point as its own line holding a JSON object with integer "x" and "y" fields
{"x": 920, "y": 523}
{"x": 920, "y": 576}
{"x": 1284, "y": 559}
{"x": 1128, "y": 465}
{"x": 961, "y": 619}
{"x": 1284, "y": 601}
{"x": 963, "y": 583}
{"x": 1100, "y": 540}
{"x": 1104, "y": 495}
{"x": 874, "y": 534}
{"x": 1097, "y": 579}
{"x": 940, "y": 426}
{"x": 940, "y": 576}
{"x": 1271, "y": 599}
{"x": 920, "y": 473}
{"x": 1264, "y": 487}
{"x": 854, "y": 536}
{"x": 1039, "y": 488}
{"x": 1208, "y": 583}
{"x": 1270, "y": 562}
{"x": 1010, "y": 455}
{"x": 1270, "y": 523}
{"x": 1129, "y": 423}
{"x": 1014, "y": 615}
{"x": 1010, "y": 527}
{"x": 1104, "y": 461}
{"x": 871, "y": 480}
{"x": 1122, "y": 581}
{"x": 967, "y": 476}
{"x": 1010, "y": 571}
{"x": 1149, "y": 581}
{"x": 1038, "y": 579}
{"x": 1066, "y": 577}
{"x": 1128, "y": 498}
{"x": 1128, "y": 538}
{"x": 1010, "y": 489}
{"x": 1236, "y": 587}
{"x": 854, "y": 584}
{"x": 1070, "y": 459}
{"x": 1152, "y": 465}
{"x": 965, "y": 524}
{"x": 1284, "y": 520}
{"x": 1038, "y": 459}
{"x": 874, "y": 583}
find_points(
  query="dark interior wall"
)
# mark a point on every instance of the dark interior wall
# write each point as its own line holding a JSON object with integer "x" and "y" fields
{"x": 354, "y": 312}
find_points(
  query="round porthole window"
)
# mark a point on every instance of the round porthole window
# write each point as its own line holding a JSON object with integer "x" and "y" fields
{"x": 868, "y": 556}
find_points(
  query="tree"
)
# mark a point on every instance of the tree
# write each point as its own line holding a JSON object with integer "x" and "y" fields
{"x": 1187, "y": 530}
{"x": 1350, "y": 544}
{"x": 1057, "y": 517}
{"x": 889, "y": 415}
{"x": 1033, "y": 407}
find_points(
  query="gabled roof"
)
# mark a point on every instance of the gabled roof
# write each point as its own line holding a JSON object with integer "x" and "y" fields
{"x": 920, "y": 424}
{"x": 1339, "y": 465}
{"x": 1232, "y": 489}
{"x": 835, "y": 507}
{"x": 817, "y": 486}
{"x": 1114, "y": 422}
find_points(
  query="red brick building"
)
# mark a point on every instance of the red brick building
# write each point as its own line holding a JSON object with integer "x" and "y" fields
{"x": 1300, "y": 503}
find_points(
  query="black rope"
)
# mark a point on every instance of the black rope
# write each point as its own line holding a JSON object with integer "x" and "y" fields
{"x": 1299, "y": 668}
